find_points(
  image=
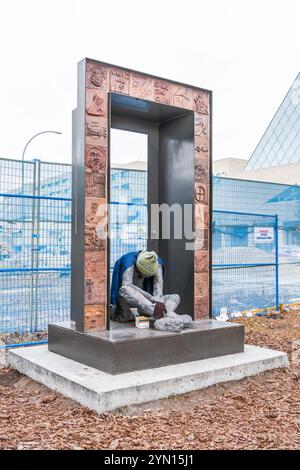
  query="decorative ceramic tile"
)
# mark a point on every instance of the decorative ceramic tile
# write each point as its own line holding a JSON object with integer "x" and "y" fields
{"x": 94, "y": 264}
{"x": 201, "y": 125}
{"x": 201, "y": 170}
{"x": 96, "y": 76}
{"x": 93, "y": 212}
{"x": 141, "y": 86}
{"x": 96, "y": 158}
{"x": 162, "y": 91}
{"x": 201, "y": 216}
{"x": 95, "y": 183}
{"x": 119, "y": 81}
{"x": 201, "y": 239}
{"x": 182, "y": 97}
{"x": 95, "y": 131}
{"x": 96, "y": 103}
{"x": 202, "y": 146}
{"x": 201, "y": 261}
{"x": 92, "y": 240}
{"x": 201, "y": 308}
{"x": 201, "y": 102}
{"x": 94, "y": 317}
{"x": 201, "y": 193}
{"x": 201, "y": 285}
{"x": 95, "y": 289}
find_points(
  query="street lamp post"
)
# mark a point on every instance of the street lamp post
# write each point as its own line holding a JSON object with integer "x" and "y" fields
{"x": 25, "y": 148}
{"x": 33, "y": 280}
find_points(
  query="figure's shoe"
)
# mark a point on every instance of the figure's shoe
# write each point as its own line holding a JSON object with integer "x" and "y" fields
{"x": 187, "y": 320}
{"x": 173, "y": 322}
{"x": 168, "y": 324}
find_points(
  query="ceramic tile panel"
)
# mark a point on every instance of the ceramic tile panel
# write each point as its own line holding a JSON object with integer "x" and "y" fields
{"x": 99, "y": 81}
{"x": 141, "y": 87}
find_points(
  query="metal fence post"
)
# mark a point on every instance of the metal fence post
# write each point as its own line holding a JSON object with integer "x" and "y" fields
{"x": 37, "y": 228}
{"x": 32, "y": 257}
{"x": 276, "y": 261}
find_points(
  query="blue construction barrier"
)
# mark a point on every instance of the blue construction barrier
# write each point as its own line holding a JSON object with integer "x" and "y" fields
{"x": 35, "y": 243}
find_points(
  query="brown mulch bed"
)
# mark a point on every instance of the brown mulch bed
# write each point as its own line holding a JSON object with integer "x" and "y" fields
{"x": 16, "y": 338}
{"x": 261, "y": 412}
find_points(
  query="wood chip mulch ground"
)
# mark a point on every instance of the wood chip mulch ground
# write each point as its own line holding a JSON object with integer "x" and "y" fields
{"x": 262, "y": 412}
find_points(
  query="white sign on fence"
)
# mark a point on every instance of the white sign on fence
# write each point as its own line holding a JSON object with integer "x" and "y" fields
{"x": 264, "y": 235}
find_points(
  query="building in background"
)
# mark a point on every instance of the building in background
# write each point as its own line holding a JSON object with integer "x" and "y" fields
{"x": 229, "y": 167}
{"x": 276, "y": 157}
{"x": 280, "y": 144}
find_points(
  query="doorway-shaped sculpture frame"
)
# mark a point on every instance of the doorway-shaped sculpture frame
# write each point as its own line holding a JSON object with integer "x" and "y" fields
{"x": 90, "y": 182}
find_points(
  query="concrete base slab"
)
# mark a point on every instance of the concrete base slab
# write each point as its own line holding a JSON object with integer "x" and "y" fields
{"x": 102, "y": 392}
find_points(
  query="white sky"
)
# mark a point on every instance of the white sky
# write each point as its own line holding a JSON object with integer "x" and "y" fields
{"x": 127, "y": 147}
{"x": 247, "y": 52}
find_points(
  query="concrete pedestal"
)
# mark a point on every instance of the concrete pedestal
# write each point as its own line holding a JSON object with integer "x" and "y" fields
{"x": 102, "y": 392}
{"x": 125, "y": 349}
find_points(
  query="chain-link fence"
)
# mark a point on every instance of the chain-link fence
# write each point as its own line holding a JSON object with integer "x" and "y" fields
{"x": 35, "y": 247}
{"x": 259, "y": 197}
{"x": 245, "y": 262}
{"x": 35, "y": 243}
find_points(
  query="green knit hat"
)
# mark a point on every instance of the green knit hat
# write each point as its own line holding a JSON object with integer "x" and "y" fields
{"x": 147, "y": 263}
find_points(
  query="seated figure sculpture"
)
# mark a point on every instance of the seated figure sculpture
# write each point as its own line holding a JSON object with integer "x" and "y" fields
{"x": 137, "y": 282}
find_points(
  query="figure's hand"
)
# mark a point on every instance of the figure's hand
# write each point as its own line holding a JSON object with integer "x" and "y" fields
{"x": 159, "y": 310}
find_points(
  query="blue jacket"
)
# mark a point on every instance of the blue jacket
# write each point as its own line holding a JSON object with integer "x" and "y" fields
{"x": 123, "y": 263}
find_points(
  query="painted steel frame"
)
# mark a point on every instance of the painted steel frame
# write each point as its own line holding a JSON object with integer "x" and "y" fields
{"x": 78, "y": 179}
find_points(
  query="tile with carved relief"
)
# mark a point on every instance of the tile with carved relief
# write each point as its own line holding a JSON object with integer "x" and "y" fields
{"x": 119, "y": 81}
{"x": 95, "y": 131}
{"x": 94, "y": 317}
{"x": 201, "y": 216}
{"x": 201, "y": 285}
{"x": 93, "y": 240}
{"x": 96, "y": 158}
{"x": 201, "y": 262}
{"x": 182, "y": 96}
{"x": 201, "y": 193}
{"x": 202, "y": 147}
{"x": 201, "y": 308}
{"x": 201, "y": 170}
{"x": 162, "y": 91}
{"x": 141, "y": 86}
{"x": 201, "y": 102}
{"x": 96, "y": 76}
{"x": 96, "y": 103}
{"x": 96, "y": 224}
{"x": 94, "y": 264}
{"x": 95, "y": 289}
{"x": 201, "y": 240}
{"x": 95, "y": 183}
{"x": 95, "y": 209}
{"x": 201, "y": 125}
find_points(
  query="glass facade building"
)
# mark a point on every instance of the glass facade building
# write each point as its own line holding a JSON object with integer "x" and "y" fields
{"x": 280, "y": 143}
